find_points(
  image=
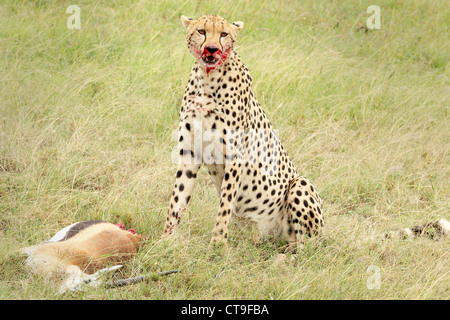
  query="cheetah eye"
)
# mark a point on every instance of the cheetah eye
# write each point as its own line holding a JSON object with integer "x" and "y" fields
{"x": 201, "y": 31}
{"x": 223, "y": 34}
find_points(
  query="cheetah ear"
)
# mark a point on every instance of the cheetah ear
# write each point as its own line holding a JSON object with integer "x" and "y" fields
{"x": 186, "y": 21}
{"x": 238, "y": 25}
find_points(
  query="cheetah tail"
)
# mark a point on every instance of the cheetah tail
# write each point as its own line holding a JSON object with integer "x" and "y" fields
{"x": 432, "y": 230}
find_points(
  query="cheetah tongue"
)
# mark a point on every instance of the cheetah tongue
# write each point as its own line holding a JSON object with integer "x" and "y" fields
{"x": 211, "y": 62}
{"x": 210, "y": 59}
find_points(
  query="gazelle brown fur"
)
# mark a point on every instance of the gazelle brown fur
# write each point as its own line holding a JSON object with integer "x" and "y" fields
{"x": 80, "y": 252}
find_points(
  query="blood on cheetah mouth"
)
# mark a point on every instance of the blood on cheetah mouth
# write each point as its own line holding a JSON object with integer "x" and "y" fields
{"x": 210, "y": 60}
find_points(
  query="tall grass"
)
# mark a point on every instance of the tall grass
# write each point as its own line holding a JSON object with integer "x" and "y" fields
{"x": 86, "y": 132}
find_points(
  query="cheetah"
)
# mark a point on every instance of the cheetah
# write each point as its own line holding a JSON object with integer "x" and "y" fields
{"x": 223, "y": 127}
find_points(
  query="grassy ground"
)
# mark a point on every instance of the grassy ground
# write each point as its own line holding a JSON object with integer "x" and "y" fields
{"x": 87, "y": 122}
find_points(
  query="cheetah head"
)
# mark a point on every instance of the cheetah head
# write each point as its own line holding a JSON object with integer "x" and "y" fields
{"x": 210, "y": 39}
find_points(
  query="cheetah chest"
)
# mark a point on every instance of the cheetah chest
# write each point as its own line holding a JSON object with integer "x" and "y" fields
{"x": 202, "y": 134}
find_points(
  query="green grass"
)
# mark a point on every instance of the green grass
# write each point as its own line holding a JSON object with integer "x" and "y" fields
{"x": 87, "y": 122}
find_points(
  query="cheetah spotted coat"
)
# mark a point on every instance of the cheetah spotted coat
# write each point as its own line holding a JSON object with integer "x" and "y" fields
{"x": 223, "y": 127}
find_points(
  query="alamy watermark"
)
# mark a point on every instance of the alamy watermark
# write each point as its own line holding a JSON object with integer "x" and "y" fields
{"x": 74, "y": 20}
{"x": 197, "y": 145}
{"x": 374, "y": 21}
{"x": 374, "y": 281}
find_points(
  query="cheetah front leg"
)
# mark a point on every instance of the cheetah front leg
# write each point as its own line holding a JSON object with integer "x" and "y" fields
{"x": 184, "y": 185}
{"x": 230, "y": 186}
